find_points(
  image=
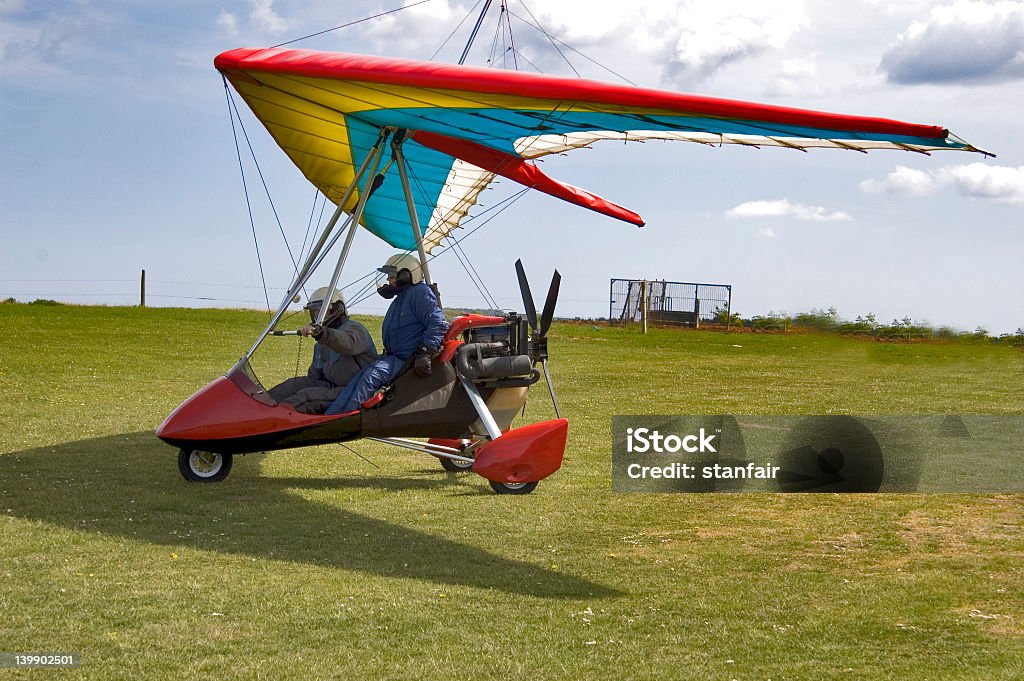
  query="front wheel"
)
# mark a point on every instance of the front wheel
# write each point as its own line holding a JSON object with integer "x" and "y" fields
{"x": 513, "y": 487}
{"x": 200, "y": 466}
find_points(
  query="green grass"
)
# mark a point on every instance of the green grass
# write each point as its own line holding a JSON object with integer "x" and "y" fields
{"x": 316, "y": 564}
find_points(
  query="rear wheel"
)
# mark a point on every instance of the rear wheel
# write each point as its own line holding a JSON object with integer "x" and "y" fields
{"x": 199, "y": 466}
{"x": 454, "y": 465}
{"x": 513, "y": 487}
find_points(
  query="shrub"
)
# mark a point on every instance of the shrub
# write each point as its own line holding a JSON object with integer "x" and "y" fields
{"x": 773, "y": 321}
{"x": 823, "y": 320}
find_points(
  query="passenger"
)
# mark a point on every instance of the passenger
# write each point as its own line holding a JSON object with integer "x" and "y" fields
{"x": 343, "y": 347}
{"x": 414, "y": 327}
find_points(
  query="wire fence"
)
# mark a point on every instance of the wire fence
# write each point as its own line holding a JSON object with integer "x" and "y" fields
{"x": 177, "y": 293}
{"x": 131, "y": 291}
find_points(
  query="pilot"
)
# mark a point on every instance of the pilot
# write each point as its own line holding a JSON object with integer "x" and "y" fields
{"x": 414, "y": 327}
{"x": 343, "y": 347}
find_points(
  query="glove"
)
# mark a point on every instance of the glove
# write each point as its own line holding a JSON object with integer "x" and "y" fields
{"x": 313, "y": 330}
{"x": 421, "y": 362}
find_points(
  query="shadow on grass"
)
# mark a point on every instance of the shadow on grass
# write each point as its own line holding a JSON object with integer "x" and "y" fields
{"x": 128, "y": 485}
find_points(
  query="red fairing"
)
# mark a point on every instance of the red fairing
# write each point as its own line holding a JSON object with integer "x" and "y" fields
{"x": 525, "y": 454}
{"x": 356, "y": 67}
{"x": 221, "y": 410}
{"x": 460, "y": 324}
{"x": 525, "y": 173}
{"x": 448, "y": 349}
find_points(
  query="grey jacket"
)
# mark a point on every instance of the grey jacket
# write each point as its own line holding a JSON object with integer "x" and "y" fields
{"x": 341, "y": 352}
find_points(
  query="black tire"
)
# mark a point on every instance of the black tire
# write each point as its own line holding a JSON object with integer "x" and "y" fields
{"x": 455, "y": 466}
{"x": 199, "y": 466}
{"x": 513, "y": 487}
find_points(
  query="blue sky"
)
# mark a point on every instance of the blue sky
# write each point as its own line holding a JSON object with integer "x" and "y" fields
{"x": 118, "y": 156}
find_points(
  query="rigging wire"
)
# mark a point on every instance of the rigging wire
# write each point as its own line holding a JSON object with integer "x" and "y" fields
{"x": 500, "y": 207}
{"x": 265, "y": 187}
{"x": 319, "y": 222}
{"x": 548, "y": 36}
{"x": 467, "y": 264}
{"x": 245, "y": 188}
{"x": 309, "y": 223}
{"x": 481, "y": 286}
{"x": 452, "y": 34}
{"x": 522, "y": 56}
{"x": 351, "y": 23}
{"x": 474, "y": 276}
{"x": 504, "y": 38}
{"x": 553, "y": 40}
{"x": 511, "y": 39}
{"x": 508, "y": 201}
{"x": 494, "y": 41}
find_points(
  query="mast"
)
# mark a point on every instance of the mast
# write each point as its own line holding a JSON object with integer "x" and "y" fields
{"x": 399, "y": 157}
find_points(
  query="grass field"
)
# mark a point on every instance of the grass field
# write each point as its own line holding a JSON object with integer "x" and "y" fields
{"x": 317, "y": 564}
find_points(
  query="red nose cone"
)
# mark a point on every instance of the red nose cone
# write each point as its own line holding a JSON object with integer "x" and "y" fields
{"x": 525, "y": 454}
{"x": 222, "y": 411}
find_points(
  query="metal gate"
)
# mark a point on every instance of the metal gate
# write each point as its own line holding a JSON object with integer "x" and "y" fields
{"x": 669, "y": 302}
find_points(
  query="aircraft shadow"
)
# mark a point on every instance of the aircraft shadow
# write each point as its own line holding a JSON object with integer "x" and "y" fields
{"x": 128, "y": 485}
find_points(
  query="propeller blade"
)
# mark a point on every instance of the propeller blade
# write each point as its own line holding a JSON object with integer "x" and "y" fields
{"x": 524, "y": 288}
{"x": 551, "y": 387}
{"x": 549, "y": 304}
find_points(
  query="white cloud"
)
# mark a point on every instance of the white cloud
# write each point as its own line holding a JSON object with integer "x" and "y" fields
{"x": 767, "y": 232}
{"x": 785, "y": 208}
{"x": 797, "y": 77}
{"x": 422, "y": 28}
{"x": 902, "y": 182}
{"x": 38, "y": 49}
{"x": 999, "y": 183}
{"x": 967, "y": 41}
{"x": 262, "y": 18}
{"x": 704, "y": 37}
{"x": 265, "y": 18}
{"x": 1002, "y": 184}
{"x": 689, "y": 40}
{"x": 229, "y": 22}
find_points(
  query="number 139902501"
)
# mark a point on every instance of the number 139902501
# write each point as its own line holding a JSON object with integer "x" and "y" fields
{"x": 37, "y": 660}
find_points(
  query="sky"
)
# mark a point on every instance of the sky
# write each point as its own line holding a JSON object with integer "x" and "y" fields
{"x": 117, "y": 155}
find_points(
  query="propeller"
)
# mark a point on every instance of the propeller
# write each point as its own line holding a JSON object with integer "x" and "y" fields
{"x": 538, "y": 337}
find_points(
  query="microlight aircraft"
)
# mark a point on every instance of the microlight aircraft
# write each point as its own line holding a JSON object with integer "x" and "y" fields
{"x": 345, "y": 119}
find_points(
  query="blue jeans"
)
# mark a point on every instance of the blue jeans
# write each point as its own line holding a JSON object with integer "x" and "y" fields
{"x": 363, "y": 385}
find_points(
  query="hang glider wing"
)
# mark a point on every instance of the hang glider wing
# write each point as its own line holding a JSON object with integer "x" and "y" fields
{"x": 467, "y": 125}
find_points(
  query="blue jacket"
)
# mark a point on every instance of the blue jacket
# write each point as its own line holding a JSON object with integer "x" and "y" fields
{"x": 412, "y": 320}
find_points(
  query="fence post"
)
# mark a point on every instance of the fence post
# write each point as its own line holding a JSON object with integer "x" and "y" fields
{"x": 728, "y": 310}
{"x": 643, "y": 304}
{"x": 611, "y": 300}
{"x": 142, "y": 292}
{"x": 696, "y": 313}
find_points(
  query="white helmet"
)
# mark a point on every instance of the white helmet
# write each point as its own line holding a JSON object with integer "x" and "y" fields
{"x": 403, "y": 261}
{"x": 316, "y": 299}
